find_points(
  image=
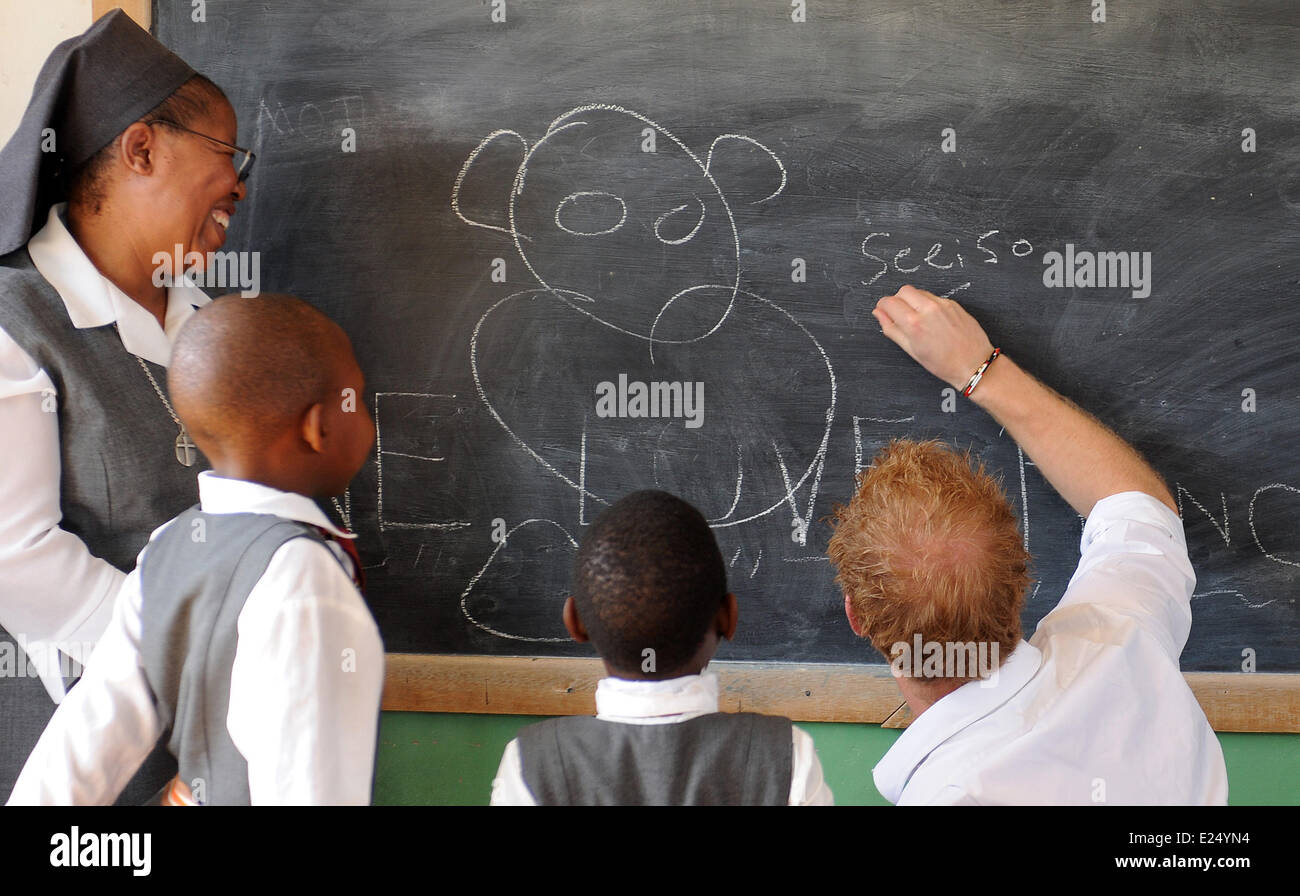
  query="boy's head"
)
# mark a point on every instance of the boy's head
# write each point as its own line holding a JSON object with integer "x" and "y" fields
{"x": 269, "y": 389}
{"x": 650, "y": 589}
{"x": 929, "y": 546}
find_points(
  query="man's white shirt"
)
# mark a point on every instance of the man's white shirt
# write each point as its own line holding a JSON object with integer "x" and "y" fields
{"x": 1093, "y": 709}
{"x": 665, "y": 703}
{"x": 305, "y": 688}
{"x": 56, "y": 591}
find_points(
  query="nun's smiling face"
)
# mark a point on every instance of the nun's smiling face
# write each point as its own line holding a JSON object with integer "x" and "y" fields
{"x": 199, "y": 185}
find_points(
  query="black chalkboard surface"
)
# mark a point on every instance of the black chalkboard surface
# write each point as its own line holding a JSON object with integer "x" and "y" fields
{"x": 520, "y": 222}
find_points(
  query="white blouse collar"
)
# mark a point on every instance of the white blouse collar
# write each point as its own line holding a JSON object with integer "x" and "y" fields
{"x": 92, "y": 300}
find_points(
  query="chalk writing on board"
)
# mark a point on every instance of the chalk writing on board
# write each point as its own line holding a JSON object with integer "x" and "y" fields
{"x": 1039, "y": 165}
{"x": 1024, "y": 497}
{"x": 1235, "y": 593}
{"x": 1223, "y": 530}
{"x": 593, "y": 236}
{"x": 586, "y": 190}
{"x": 985, "y": 244}
{"x": 407, "y": 439}
{"x": 468, "y": 594}
{"x": 1251, "y": 518}
{"x": 857, "y": 436}
{"x": 670, "y": 198}
{"x": 308, "y": 122}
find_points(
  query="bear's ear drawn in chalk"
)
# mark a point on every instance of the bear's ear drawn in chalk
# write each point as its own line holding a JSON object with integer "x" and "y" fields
{"x": 746, "y": 171}
{"x": 486, "y": 177}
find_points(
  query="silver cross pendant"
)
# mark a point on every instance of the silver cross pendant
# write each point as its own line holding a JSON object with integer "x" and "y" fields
{"x": 186, "y": 451}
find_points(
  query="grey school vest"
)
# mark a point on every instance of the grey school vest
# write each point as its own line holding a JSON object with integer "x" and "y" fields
{"x": 720, "y": 759}
{"x": 194, "y": 581}
{"x": 119, "y": 479}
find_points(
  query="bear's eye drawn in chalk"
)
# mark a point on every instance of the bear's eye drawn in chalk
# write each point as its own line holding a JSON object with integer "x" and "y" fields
{"x": 594, "y": 208}
{"x": 682, "y": 215}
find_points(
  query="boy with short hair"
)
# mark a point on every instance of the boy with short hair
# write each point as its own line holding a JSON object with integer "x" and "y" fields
{"x": 650, "y": 592}
{"x": 240, "y": 636}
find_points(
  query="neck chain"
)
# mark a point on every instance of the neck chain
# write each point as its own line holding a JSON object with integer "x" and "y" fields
{"x": 186, "y": 451}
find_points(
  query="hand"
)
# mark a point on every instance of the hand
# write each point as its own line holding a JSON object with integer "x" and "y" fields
{"x": 937, "y": 333}
{"x": 1079, "y": 456}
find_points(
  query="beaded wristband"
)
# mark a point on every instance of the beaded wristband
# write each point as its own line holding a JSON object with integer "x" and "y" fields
{"x": 979, "y": 374}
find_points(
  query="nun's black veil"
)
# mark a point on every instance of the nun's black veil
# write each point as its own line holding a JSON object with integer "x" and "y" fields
{"x": 91, "y": 88}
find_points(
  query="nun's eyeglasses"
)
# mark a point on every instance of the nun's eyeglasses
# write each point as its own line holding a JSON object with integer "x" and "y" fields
{"x": 242, "y": 159}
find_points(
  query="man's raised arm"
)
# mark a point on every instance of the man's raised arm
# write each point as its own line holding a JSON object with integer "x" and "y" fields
{"x": 1078, "y": 455}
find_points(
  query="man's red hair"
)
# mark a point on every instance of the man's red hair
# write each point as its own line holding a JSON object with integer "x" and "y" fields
{"x": 929, "y": 545}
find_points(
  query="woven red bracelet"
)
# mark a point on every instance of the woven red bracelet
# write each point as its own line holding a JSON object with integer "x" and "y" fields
{"x": 979, "y": 374}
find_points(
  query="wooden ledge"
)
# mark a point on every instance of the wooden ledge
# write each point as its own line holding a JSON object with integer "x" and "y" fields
{"x": 813, "y": 692}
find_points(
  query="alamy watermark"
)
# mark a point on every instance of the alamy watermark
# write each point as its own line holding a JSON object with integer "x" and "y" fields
{"x": 77, "y": 849}
{"x": 945, "y": 659}
{"x": 215, "y": 270}
{"x": 1131, "y": 270}
{"x": 664, "y": 399}
{"x": 31, "y": 659}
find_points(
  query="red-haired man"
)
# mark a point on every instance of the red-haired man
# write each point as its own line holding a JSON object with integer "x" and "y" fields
{"x": 1093, "y": 707}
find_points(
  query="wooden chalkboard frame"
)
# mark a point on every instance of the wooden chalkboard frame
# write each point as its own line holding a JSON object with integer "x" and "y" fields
{"x": 139, "y": 10}
{"x": 812, "y": 692}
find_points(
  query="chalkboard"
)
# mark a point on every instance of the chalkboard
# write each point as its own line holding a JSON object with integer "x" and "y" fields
{"x": 511, "y": 206}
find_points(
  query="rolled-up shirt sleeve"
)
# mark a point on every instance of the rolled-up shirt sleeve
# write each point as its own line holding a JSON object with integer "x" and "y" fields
{"x": 1134, "y": 562}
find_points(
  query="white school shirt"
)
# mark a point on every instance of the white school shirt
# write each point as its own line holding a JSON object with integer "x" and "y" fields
{"x": 303, "y": 711}
{"x": 54, "y": 591}
{"x": 664, "y": 703}
{"x": 1093, "y": 708}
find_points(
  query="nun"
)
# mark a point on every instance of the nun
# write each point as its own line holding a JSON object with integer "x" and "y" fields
{"x": 124, "y": 154}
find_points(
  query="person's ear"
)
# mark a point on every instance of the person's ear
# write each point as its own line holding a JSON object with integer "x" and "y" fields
{"x": 313, "y": 427}
{"x": 728, "y": 616}
{"x": 577, "y": 631}
{"x": 848, "y": 611}
{"x": 136, "y": 148}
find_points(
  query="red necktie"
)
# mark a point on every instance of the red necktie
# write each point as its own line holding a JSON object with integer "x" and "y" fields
{"x": 350, "y": 548}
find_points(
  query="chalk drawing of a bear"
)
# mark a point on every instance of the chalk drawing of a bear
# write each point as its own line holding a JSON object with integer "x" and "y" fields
{"x": 634, "y": 264}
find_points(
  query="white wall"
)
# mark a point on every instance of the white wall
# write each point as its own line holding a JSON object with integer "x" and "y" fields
{"x": 29, "y": 30}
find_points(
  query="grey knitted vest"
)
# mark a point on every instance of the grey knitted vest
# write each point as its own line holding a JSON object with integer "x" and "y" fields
{"x": 194, "y": 580}
{"x": 120, "y": 478}
{"x": 720, "y": 759}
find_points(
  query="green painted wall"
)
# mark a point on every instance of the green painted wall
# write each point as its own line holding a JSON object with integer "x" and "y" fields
{"x": 447, "y": 759}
